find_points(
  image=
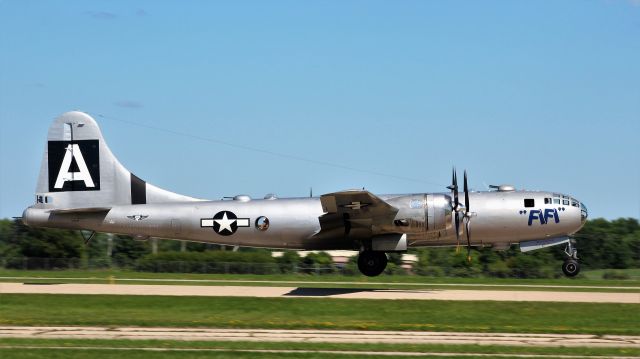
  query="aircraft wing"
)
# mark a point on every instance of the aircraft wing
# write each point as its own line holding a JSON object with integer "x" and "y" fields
{"x": 355, "y": 213}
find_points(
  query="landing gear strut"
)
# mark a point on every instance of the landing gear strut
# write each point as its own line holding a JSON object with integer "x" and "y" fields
{"x": 571, "y": 267}
{"x": 372, "y": 263}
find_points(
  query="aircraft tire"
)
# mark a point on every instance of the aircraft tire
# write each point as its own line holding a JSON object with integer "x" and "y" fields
{"x": 372, "y": 263}
{"x": 571, "y": 267}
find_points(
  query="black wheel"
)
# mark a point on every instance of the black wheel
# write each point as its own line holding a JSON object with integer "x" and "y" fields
{"x": 372, "y": 263}
{"x": 571, "y": 267}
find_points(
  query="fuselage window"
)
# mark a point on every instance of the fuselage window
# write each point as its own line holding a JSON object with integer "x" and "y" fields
{"x": 529, "y": 202}
{"x": 262, "y": 223}
{"x": 556, "y": 200}
{"x": 547, "y": 201}
{"x": 565, "y": 202}
{"x": 575, "y": 204}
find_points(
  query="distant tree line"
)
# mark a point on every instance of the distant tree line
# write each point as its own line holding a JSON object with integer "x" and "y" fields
{"x": 601, "y": 244}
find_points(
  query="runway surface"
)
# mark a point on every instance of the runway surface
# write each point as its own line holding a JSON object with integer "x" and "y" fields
{"x": 299, "y": 282}
{"x": 295, "y": 292}
{"x": 320, "y": 336}
{"x": 332, "y": 353}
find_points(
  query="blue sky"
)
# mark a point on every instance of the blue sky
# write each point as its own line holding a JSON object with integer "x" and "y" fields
{"x": 540, "y": 94}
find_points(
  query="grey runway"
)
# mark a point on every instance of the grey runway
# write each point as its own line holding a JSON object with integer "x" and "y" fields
{"x": 299, "y": 292}
{"x": 307, "y": 283}
{"x": 320, "y": 336}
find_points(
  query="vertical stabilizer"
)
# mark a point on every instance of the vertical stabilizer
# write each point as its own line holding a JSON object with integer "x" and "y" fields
{"x": 79, "y": 171}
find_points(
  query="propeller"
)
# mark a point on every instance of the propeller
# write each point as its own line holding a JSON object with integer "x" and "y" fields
{"x": 467, "y": 216}
{"x": 457, "y": 209}
{"x": 456, "y": 206}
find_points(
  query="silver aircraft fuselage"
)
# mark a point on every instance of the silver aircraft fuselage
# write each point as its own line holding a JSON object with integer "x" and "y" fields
{"x": 500, "y": 219}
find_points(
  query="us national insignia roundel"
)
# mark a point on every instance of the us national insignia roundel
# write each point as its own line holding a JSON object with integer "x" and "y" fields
{"x": 224, "y": 223}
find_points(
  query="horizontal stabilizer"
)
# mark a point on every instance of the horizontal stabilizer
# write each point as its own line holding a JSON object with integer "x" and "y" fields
{"x": 81, "y": 210}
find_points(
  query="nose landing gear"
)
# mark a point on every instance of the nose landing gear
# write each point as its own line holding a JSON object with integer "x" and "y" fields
{"x": 571, "y": 267}
{"x": 372, "y": 263}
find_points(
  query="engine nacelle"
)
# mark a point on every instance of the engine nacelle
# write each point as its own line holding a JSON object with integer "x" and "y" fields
{"x": 421, "y": 213}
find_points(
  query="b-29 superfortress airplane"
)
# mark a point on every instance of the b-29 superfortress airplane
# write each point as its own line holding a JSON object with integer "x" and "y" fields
{"x": 82, "y": 186}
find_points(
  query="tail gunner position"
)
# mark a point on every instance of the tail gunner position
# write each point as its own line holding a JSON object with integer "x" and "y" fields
{"x": 83, "y": 186}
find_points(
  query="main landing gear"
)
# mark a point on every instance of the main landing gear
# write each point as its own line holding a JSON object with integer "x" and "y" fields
{"x": 571, "y": 267}
{"x": 372, "y": 263}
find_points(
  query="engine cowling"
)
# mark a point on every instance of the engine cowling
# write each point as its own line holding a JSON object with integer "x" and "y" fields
{"x": 422, "y": 213}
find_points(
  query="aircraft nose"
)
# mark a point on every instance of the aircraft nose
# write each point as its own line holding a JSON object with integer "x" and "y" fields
{"x": 584, "y": 213}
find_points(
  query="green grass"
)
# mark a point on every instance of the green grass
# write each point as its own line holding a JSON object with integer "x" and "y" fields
{"x": 232, "y": 346}
{"x": 71, "y": 353}
{"x": 139, "y": 354}
{"x": 341, "y": 281}
{"x": 633, "y": 273}
{"x": 297, "y": 313}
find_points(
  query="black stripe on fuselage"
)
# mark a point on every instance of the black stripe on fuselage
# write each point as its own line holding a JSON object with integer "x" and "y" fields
{"x": 138, "y": 190}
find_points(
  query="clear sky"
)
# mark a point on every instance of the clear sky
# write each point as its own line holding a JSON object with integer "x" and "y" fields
{"x": 539, "y": 94}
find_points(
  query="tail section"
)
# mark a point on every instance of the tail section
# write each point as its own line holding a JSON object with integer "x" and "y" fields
{"x": 79, "y": 172}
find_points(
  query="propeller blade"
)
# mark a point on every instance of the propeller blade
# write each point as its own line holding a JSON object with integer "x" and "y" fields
{"x": 456, "y": 202}
{"x": 467, "y": 216}
{"x": 466, "y": 193}
{"x": 466, "y": 230}
{"x": 456, "y": 205}
{"x": 454, "y": 189}
{"x": 457, "y": 217}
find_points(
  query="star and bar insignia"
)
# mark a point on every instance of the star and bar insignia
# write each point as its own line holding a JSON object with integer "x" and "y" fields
{"x": 225, "y": 223}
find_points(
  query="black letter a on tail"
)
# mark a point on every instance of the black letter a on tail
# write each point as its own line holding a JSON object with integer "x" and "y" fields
{"x": 74, "y": 166}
